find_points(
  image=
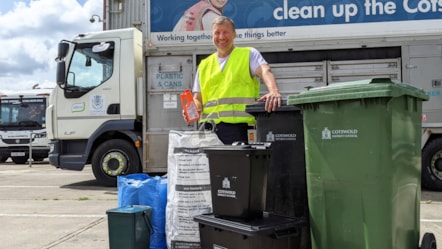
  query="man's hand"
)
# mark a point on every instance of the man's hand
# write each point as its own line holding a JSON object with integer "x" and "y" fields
{"x": 273, "y": 101}
{"x": 273, "y": 98}
{"x": 197, "y": 99}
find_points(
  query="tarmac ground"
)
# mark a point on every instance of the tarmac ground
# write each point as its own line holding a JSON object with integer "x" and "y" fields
{"x": 45, "y": 207}
{"x": 42, "y": 207}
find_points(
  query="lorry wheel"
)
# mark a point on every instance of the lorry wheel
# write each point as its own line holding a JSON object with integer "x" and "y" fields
{"x": 113, "y": 158}
{"x": 19, "y": 159}
{"x": 432, "y": 165}
{"x": 428, "y": 241}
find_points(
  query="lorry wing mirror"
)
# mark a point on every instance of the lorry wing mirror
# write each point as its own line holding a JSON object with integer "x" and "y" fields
{"x": 61, "y": 70}
{"x": 104, "y": 46}
{"x": 63, "y": 48}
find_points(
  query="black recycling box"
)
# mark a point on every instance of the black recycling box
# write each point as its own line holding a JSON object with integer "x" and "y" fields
{"x": 286, "y": 180}
{"x": 286, "y": 184}
{"x": 268, "y": 232}
{"x": 238, "y": 179}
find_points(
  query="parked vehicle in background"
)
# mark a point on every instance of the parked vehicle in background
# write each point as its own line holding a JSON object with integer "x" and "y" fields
{"x": 23, "y": 125}
{"x": 117, "y": 95}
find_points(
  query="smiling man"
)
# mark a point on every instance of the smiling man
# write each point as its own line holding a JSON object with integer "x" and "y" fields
{"x": 226, "y": 82}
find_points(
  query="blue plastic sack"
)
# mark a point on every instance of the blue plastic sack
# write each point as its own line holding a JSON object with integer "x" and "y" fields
{"x": 129, "y": 187}
{"x": 142, "y": 189}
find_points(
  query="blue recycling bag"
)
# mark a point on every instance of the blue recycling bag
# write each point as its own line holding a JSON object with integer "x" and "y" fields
{"x": 142, "y": 189}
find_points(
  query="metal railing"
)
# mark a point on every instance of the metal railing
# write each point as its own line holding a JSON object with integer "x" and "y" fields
{"x": 31, "y": 137}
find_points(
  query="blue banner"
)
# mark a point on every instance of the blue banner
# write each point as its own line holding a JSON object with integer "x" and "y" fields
{"x": 249, "y": 14}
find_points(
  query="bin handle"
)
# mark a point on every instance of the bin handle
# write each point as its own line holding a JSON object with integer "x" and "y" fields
{"x": 290, "y": 231}
{"x": 287, "y": 232}
{"x": 203, "y": 125}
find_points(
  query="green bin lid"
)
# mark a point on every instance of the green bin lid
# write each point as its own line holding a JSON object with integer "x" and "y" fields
{"x": 370, "y": 88}
{"x": 129, "y": 209}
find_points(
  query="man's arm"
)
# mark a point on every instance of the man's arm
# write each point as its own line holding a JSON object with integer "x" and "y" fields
{"x": 273, "y": 97}
{"x": 198, "y": 101}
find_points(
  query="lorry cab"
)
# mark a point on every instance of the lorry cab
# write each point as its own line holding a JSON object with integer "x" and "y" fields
{"x": 23, "y": 125}
{"x": 97, "y": 122}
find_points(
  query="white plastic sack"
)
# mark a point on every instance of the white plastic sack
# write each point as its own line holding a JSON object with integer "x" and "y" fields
{"x": 188, "y": 192}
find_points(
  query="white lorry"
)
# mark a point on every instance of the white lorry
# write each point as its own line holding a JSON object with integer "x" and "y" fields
{"x": 23, "y": 125}
{"x": 117, "y": 94}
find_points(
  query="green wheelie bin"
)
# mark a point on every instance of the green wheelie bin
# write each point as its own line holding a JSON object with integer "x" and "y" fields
{"x": 129, "y": 227}
{"x": 363, "y": 164}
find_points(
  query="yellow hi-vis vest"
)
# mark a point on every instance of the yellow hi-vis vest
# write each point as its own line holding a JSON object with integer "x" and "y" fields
{"x": 226, "y": 93}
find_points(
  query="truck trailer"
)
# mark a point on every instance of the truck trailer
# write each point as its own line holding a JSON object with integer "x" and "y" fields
{"x": 118, "y": 89}
{"x": 23, "y": 125}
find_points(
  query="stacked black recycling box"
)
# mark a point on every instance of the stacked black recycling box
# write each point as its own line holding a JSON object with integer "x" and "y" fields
{"x": 259, "y": 193}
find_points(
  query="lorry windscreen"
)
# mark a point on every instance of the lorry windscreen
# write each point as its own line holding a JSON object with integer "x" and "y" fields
{"x": 23, "y": 113}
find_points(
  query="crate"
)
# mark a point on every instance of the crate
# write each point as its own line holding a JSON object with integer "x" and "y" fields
{"x": 268, "y": 232}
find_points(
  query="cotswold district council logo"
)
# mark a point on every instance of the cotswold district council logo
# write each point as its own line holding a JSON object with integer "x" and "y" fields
{"x": 339, "y": 133}
{"x": 226, "y": 183}
{"x": 97, "y": 102}
{"x": 326, "y": 134}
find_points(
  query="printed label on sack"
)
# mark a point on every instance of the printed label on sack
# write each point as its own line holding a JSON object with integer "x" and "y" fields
{"x": 178, "y": 244}
{"x": 192, "y": 193}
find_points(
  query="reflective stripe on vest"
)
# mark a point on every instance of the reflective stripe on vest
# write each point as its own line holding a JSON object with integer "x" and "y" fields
{"x": 226, "y": 93}
{"x": 228, "y": 101}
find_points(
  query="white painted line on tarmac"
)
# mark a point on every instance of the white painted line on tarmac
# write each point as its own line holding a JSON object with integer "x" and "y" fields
{"x": 14, "y": 186}
{"x": 55, "y": 215}
{"x": 432, "y": 220}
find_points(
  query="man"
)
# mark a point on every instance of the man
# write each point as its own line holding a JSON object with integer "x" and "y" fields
{"x": 226, "y": 82}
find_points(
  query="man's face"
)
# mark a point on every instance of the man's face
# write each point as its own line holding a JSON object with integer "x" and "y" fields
{"x": 223, "y": 36}
{"x": 219, "y": 4}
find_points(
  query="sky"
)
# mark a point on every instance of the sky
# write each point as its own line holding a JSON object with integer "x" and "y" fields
{"x": 29, "y": 34}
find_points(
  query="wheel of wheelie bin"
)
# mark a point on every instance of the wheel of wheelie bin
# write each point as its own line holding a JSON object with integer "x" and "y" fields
{"x": 428, "y": 241}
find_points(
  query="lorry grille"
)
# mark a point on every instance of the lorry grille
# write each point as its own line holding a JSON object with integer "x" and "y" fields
{"x": 16, "y": 141}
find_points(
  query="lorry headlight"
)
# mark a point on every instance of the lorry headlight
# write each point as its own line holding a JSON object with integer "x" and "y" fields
{"x": 39, "y": 135}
